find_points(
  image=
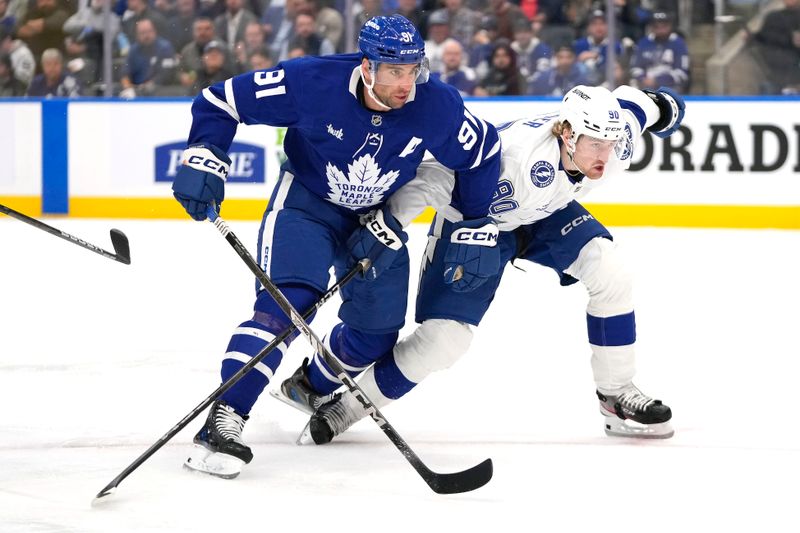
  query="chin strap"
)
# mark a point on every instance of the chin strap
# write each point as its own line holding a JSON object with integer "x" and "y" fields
{"x": 369, "y": 87}
{"x": 571, "y": 142}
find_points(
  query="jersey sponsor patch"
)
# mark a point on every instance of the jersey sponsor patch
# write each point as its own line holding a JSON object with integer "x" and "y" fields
{"x": 542, "y": 174}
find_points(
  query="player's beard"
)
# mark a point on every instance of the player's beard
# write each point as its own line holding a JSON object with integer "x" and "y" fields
{"x": 385, "y": 95}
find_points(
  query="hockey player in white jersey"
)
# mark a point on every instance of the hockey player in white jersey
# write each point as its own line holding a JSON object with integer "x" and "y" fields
{"x": 548, "y": 161}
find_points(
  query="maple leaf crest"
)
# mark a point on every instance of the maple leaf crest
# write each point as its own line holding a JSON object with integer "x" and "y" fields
{"x": 364, "y": 176}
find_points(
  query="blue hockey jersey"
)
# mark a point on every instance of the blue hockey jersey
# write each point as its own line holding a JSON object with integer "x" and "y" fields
{"x": 340, "y": 150}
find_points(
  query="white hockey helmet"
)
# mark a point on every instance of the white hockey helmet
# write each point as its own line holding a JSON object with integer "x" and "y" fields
{"x": 592, "y": 111}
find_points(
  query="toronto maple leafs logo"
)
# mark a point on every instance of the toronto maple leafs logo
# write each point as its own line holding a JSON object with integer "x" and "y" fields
{"x": 364, "y": 185}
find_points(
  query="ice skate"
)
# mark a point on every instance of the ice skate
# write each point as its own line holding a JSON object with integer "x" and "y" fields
{"x": 630, "y": 413}
{"x": 219, "y": 449}
{"x": 297, "y": 392}
{"x": 332, "y": 419}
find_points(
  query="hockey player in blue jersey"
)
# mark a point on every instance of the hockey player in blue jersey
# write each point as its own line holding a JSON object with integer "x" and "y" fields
{"x": 358, "y": 126}
{"x": 549, "y": 160}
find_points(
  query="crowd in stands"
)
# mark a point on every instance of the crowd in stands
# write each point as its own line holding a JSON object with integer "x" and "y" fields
{"x": 481, "y": 47}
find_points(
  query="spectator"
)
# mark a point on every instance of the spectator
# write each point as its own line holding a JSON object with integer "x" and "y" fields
{"x": 165, "y": 7}
{"x": 454, "y": 72}
{"x": 305, "y": 37}
{"x": 369, "y": 9}
{"x": 7, "y": 19}
{"x": 464, "y": 22}
{"x": 10, "y": 85}
{"x": 554, "y": 35}
{"x": 213, "y": 67}
{"x": 561, "y": 77}
{"x": 260, "y": 60}
{"x": 661, "y": 58}
{"x": 592, "y": 50}
{"x": 632, "y": 19}
{"x": 54, "y": 81}
{"x": 23, "y": 63}
{"x": 180, "y": 26}
{"x": 85, "y": 40}
{"x": 438, "y": 32}
{"x": 43, "y": 27}
{"x": 532, "y": 54}
{"x": 211, "y": 8}
{"x": 191, "y": 57}
{"x": 330, "y": 23}
{"x": 505, "y": 13}
{"x": 253, "y": 40}
{"x": 777, "y": 45}
{"x": 482, "y": 46}
{"x": 150, "y": 64}
{"x": 411, "y": 10}
{"x": 279, "y": 25}
{"x": 503, "y": 78}
{"x": 139, "y": 10}
{"x": 621, "y": 77}
{"x": 230, "y": 25}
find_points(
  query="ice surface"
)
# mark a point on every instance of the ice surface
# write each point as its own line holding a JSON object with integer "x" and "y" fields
{"x": 98, "y": 360}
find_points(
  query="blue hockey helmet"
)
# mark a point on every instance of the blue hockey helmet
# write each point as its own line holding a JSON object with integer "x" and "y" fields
{"x": 391, "y": 39}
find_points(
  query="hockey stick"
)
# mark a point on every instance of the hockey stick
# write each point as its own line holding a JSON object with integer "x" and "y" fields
{"x": 118, "y": 239}
{"x": 111, "y": 487}
{"x": 456, "y": 482}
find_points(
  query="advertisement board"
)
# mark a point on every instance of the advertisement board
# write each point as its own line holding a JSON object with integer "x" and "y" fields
{"x": 734, "y": 162}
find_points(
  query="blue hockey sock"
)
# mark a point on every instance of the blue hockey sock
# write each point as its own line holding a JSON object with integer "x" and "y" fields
{"x": 247, "y": 341}
{"x": 354, "y": 349}
{"x": 617, "y": 330}
{"x": 390, "y": 380}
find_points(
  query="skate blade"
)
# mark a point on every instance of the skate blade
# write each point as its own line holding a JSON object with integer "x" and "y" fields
{"x": 279, "y": 395}
{"x": 616, "y": 427}
{"x": 216, "y": 464}
{"x": 305, "y": 437}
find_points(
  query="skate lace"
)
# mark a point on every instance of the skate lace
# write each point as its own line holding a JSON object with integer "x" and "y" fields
{"x": 318, "y": 401}
{"x": 229, "y": 424}
{"x": 635, "y": 400}
{"x": 338, "y": 416}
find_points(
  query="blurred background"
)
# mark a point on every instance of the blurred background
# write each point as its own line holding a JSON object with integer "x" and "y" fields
{"x": 139, "y": 48}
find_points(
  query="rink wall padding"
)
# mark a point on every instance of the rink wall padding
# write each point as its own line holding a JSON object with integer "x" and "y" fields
{"x": 735, "y": 163}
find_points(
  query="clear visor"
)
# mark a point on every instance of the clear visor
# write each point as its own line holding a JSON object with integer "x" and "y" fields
{"x": 597, "y": 147}
{"x": 399, "y": 74}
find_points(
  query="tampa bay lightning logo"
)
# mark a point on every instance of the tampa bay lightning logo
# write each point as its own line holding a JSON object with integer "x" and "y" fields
{"x": 542, "y": 174}
{"x": 625, "y": 147}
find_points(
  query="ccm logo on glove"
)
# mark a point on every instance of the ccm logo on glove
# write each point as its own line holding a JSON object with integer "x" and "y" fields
{"x": 376, "y": 225}
{"x": 483, "y": 236}
{"x": 202, "y": 159}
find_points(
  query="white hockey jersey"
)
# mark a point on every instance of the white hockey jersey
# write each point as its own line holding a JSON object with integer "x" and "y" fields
{"x": 532, "y": 183}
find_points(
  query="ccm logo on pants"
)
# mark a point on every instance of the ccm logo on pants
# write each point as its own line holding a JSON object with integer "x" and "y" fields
{"x": 574, "y": 223}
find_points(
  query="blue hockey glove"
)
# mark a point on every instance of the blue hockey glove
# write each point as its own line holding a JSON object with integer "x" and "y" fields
{"x": 200, "y": 181}
{"x": 378, "y": 239}
{"x": 672, "y": 109}
{"x": 472, "y": 255}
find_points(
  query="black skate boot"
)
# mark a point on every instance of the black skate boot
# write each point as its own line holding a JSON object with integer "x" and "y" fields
{"x": 630, "y": 413}
{"x": 297, "y": 392}
{"x": 219, "y": 449}
{"x": 332, "y": 419}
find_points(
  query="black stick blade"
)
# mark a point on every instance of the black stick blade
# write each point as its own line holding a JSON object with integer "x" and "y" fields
{"x": 121, "y": 246}
{"x": 107, "y": 491}
{"x": 455, "y": 483}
